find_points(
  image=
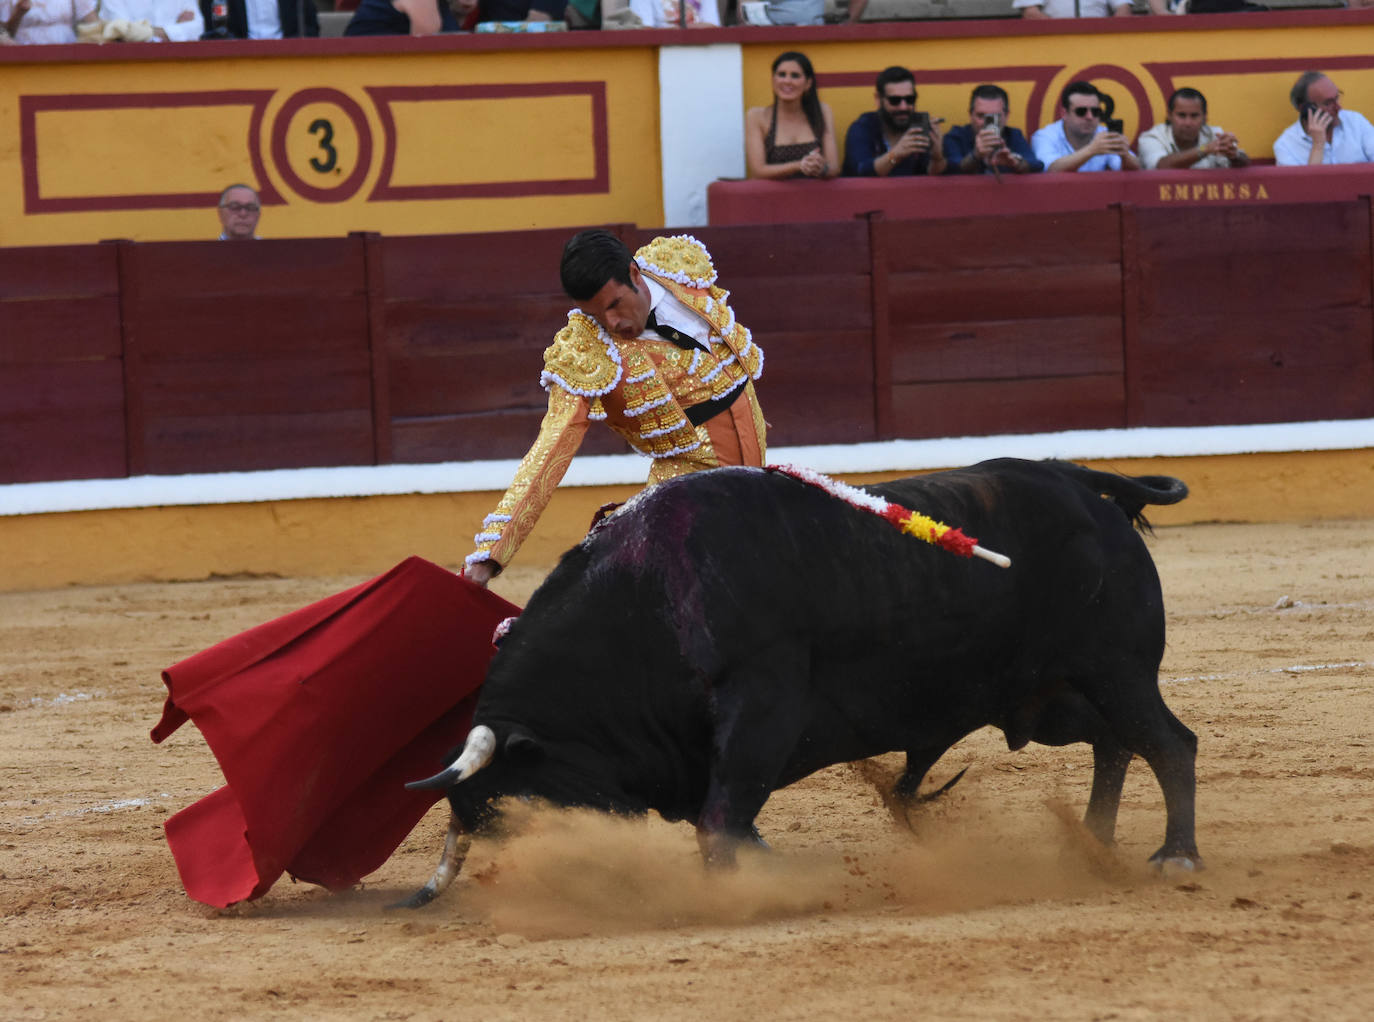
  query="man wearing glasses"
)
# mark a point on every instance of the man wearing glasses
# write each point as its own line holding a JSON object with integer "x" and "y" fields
{"x": 1323, "y": 132}
{"x": 238, "y": 213}
{"x": 1078, "y": 140}
{"x": 893, "y": 141}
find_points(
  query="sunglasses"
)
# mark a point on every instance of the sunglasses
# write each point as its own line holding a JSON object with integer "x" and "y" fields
{"x": 1087, "y": 111}
{"x": 900, "y": 101}
{"x": 241, "y": 207}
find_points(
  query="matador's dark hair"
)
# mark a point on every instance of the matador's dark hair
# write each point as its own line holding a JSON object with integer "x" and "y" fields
{"x": 590, "y": 260}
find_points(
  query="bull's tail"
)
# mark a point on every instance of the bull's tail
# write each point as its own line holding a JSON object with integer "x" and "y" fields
{"x": 456, "y": 845}
{"x": 1130, "y": 493}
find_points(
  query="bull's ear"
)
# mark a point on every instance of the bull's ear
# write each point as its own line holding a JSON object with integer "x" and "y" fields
{"x": 523, "y": 747}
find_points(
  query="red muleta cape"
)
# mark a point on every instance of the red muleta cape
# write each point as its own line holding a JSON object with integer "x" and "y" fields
{"x": 318, "y": 719}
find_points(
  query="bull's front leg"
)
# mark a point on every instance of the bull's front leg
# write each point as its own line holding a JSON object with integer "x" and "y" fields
{"x": 757, "y": 719}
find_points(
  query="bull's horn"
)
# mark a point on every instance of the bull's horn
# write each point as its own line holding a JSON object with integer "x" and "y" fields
{"x": 477, "y": 753}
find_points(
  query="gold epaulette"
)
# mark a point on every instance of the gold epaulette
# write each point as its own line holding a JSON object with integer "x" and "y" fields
{"x": 582, "y": 360}
{"x": 681, "y": 258}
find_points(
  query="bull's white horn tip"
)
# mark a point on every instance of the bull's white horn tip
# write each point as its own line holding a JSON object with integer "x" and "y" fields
{"x": 477, "y": 751}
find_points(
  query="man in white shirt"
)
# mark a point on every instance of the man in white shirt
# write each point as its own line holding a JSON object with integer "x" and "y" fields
{"x": 1078, "y": 141}
{"x": 1323, "y": 132}
{"x": 173, "y": 21}
{"x": 1082, "y": 8}
{"x": 1186, "y": 141}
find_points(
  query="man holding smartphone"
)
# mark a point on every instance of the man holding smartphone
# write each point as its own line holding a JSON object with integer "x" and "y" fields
{"x": 1080, "y": 140}
{"x": 1186, "y": 141}
{"x": 895, "y": 140}
{"x": 986, "y": 145}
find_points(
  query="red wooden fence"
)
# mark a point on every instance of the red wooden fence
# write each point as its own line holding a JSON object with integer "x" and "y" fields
{"x": 125, "y": 359}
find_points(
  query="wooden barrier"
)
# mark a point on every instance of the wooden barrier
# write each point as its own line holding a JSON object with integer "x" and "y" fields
{"x": 778, "y": 202}
{"x": 1002, "y": 324}
{"x": 246, "y": 358}
{"x": 61, "y": 364}
{"x": 174, "y": 357}
{"x": 1253, "y": 314}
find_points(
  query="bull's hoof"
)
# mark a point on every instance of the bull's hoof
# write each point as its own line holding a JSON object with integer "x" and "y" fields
{"x": 1170, "y": 865}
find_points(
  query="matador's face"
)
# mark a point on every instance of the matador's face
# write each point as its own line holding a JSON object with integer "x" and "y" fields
{"x": 620, "y": 308}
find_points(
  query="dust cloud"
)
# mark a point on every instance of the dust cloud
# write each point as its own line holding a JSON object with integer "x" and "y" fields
{"x": 568, "y": 873}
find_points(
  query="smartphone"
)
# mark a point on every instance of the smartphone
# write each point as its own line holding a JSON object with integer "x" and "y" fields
{"x": 1116, "y": 124}
{"x": 921, "y": 121}
{"x": 1308, "y": 110}
{"x": 993, "y": 121}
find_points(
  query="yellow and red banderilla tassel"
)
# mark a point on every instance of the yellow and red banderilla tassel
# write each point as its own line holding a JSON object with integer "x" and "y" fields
{"x": 913, "y": 523}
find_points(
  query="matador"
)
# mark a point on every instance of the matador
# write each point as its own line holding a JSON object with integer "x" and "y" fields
{"x": 655, "y": 352}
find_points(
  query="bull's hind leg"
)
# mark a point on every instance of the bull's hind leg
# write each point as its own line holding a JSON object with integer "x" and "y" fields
{"x": 1110, "y": 762}
{"x": 1067, "y": 718}
{"x": 757, "y": 720}
{"x": 1145, "y": 726}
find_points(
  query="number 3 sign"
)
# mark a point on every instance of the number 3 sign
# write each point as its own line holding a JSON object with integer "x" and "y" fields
{"x": 322, "y": 145}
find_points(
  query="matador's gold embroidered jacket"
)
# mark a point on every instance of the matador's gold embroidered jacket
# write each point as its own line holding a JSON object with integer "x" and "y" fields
{"x": 640, "y": 388}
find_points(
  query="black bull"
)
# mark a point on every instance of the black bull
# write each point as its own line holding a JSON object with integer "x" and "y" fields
{"x": 729, "y": 632}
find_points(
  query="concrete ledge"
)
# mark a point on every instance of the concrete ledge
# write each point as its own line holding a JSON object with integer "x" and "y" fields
{"x": 366, "y": 535}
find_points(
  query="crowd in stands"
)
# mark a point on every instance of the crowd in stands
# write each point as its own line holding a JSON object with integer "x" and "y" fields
{"x": 68, "y": 21}
{"x": 795, "y": 137}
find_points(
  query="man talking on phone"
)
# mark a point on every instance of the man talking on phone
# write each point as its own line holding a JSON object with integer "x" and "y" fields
{"x": 895, "y": 140}
{"x": 1080, "y": 140}
{"x": 1324, "y": 132}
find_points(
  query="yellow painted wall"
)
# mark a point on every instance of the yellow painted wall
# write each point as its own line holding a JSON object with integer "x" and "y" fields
{"x": 368, "y": 535}
{"x": 467, "y": 140}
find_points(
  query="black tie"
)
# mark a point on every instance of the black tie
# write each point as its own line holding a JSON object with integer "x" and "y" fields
{"x": 668, "y": 333}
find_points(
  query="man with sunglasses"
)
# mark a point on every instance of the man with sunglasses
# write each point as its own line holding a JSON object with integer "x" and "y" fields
{"x": 1078, "y": 141}
{"x": 1324, "y": 133}
{"x": 893, "y": 141}
{"x": 239, "y": 208}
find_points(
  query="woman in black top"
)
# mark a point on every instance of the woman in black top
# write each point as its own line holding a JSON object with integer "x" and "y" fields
{"x": 795, "y": 137}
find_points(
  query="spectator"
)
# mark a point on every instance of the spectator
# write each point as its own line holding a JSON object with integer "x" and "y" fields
{"x": 266, "y": 19}
{"x": 1185, "y": 139}
{"x": 784, "y": 12}
{"x": 174, "y": 21}
{"x": 1080, "y": 8}
{"x": 795, "y": 137}
{"x": 893, "y": 140}
{"x": 986, "y": 144}
{"x": 1077, "y": 141}
{"x": 668, "y": 13}
{"x": 1323, "y": 132}
{"x": 403, "y": 17}
{"x": 46, "y": 21}
{"x": 239, "y": 208}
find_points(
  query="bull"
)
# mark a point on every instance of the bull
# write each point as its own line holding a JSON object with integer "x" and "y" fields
{"x": 729, "y": 632}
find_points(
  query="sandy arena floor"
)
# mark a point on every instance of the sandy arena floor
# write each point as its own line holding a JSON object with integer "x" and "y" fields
{"x": 999, "y": 909}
